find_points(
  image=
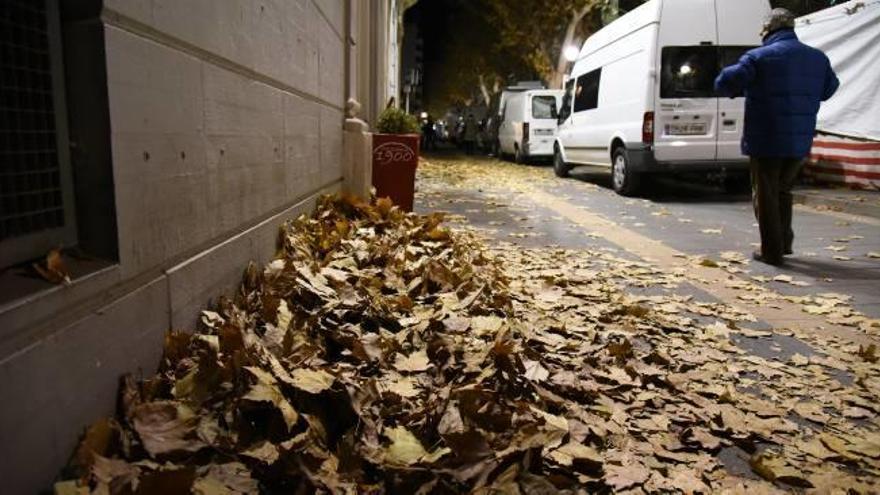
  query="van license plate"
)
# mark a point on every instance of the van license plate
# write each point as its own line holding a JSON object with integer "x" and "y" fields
{"x": 691, "y": 129}
{"x": 543, "y": 132}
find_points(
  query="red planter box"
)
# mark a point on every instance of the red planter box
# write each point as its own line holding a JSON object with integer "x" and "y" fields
{"x": 395, "y": 158}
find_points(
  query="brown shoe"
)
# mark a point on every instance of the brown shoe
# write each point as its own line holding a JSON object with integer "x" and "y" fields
{"x": 757, "y": 256}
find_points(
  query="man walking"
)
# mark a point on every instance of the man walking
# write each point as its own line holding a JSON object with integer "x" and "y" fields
{"x": 470, "y": 134}
{"x": 784, "y": 82}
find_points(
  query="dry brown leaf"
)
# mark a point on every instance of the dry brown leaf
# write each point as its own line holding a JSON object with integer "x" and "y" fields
{"x": 405, "y": 448}
{"x": 166, "y": 427}
{"x": 414, "y": 362}
{"x": 628, "y": 476}
{"x": 311, "y": 381}
{"x": 55, "y": 270}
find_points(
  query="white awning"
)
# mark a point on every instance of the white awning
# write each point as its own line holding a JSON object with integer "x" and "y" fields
{"x": 849, "y": 34}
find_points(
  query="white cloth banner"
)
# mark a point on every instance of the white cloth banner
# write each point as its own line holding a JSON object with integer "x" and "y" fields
{"x": 849, "y": 34}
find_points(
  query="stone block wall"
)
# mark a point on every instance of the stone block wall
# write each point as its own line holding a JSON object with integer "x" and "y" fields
{"x": 225, "y": 119}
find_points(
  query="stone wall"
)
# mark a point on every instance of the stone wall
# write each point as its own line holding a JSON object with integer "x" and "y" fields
{"x": 225, "y": 119}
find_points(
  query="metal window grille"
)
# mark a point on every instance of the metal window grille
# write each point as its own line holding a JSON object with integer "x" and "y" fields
{"x": 36, "y": 199}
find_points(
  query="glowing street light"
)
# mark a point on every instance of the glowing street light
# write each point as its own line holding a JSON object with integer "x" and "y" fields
{"x": 571, "y": 53}
{"x": 424, "y": 115}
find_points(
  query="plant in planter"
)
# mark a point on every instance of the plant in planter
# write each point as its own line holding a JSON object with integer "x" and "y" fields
{"x": 395, "y": 156}
{"x": 393, "y": 120}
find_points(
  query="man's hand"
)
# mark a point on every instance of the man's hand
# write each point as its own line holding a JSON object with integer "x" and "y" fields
{"x": 734, "y": 79}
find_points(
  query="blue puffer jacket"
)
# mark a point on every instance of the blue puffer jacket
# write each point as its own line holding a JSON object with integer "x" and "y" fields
{"x": 783, "y": 81}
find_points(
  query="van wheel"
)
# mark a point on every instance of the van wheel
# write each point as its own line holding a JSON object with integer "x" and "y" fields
{"x": 625, "y": 181}
{"x": 518, "y": 156}
{"x": 559, "y": 166}
{"x": 737, "y": 184}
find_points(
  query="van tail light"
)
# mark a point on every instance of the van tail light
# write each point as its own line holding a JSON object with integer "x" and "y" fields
{"x": 525, "y": 138}
{"x": 648, "y": 128}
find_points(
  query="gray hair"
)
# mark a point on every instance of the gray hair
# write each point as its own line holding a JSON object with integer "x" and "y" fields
{"x": 777, "y": 19}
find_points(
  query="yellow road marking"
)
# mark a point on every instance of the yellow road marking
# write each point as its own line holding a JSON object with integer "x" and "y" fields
{"x": 849, "y": 217}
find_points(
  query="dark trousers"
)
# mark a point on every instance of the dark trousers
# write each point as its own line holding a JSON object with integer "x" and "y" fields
{"x": 772, "y": 180}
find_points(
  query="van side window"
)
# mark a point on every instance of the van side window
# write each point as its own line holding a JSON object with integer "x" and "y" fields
{"x": 586, "y": 93}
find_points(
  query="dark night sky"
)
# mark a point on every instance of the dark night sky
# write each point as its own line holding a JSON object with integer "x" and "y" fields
{"x": 438, "y": 21}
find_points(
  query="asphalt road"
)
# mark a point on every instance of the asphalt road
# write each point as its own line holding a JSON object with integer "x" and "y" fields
{"x": 695, "y": 219}
{"x": 695, "y": 230}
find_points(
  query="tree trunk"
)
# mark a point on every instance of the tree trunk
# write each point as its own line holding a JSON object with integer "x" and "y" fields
{"x": 570, "y": 30}
{"x": 484, "y": 90}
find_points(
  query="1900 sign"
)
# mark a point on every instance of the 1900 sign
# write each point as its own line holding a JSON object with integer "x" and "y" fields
{"x": 392, "y": 153}
{"x": 395, "y": 157}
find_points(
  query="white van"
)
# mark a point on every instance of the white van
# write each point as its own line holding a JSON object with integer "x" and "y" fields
{"x": 527, "y": 127}
{"x": 640, "y": 98}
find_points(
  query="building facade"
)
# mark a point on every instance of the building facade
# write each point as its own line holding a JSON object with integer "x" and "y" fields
{"x": 412, "y": 61}
{"x": 160, "y": 143}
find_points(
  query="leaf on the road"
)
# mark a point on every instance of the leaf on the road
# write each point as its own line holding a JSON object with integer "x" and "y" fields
{"x": 402, "y": 386}
{"x": 264, "y": 452}
{"x": 265, "y": 389}
{"x": 534, "y": 371}
{"x": 53, "y": 268}
{"x": 166, "y": 427}
{"x": 800, "y": 359}
{"x": 572, "y": 452}
{"x": 734, "y": 257}
{"x": 414, "y": 362}
{"x": 70, "y": 487}
{"x": 115, "y": 474}
{"x": 775, "y": 469}
{"x": 233, "y": 478}
{"x": 311, "y": 381}
{"x": 869, "y": 353}
{"x": 405, "y": 449}
{"x": 486, "y": 324}
{"x": 627, "y": 476}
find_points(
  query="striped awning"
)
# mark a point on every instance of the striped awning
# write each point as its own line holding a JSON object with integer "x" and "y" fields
{"x": 841, "y": 160}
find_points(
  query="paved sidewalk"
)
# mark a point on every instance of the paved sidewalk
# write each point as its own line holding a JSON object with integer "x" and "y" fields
{"x": 855, "y": 202}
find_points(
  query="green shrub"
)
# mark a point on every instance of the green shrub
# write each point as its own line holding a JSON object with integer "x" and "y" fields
{"x": 393, "y": 120}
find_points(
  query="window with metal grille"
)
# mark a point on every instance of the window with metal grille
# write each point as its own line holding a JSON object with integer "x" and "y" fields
{"x": 36, "y": 197}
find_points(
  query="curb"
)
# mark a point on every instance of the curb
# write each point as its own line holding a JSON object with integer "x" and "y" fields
{"x": 820, "y": 200}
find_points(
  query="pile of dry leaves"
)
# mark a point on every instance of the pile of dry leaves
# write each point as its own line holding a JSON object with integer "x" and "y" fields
{"x": 380, "y": 353}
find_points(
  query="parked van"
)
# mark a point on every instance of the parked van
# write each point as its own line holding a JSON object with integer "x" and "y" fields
{"x": 527, "y": 125}
{"x": 640, "y": 98}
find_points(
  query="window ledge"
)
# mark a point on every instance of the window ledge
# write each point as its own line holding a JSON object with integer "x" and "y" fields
{"x": 27, "y": 301}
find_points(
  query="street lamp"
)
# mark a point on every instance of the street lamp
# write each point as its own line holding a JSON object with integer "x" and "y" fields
{"x": 424, "y": 115}
{"x": 571, "y": 53}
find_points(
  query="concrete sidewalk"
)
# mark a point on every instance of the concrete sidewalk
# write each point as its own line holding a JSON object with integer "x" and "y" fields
{"x": 855, "y": 202}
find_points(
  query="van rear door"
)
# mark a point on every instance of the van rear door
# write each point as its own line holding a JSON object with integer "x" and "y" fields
{"x": 739, "y": 25}
{"x": 685, "y": 123}
{"x": 731, "y": 111}
{"x": 685, "y": 112}
{"x": 543, "y": 115}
